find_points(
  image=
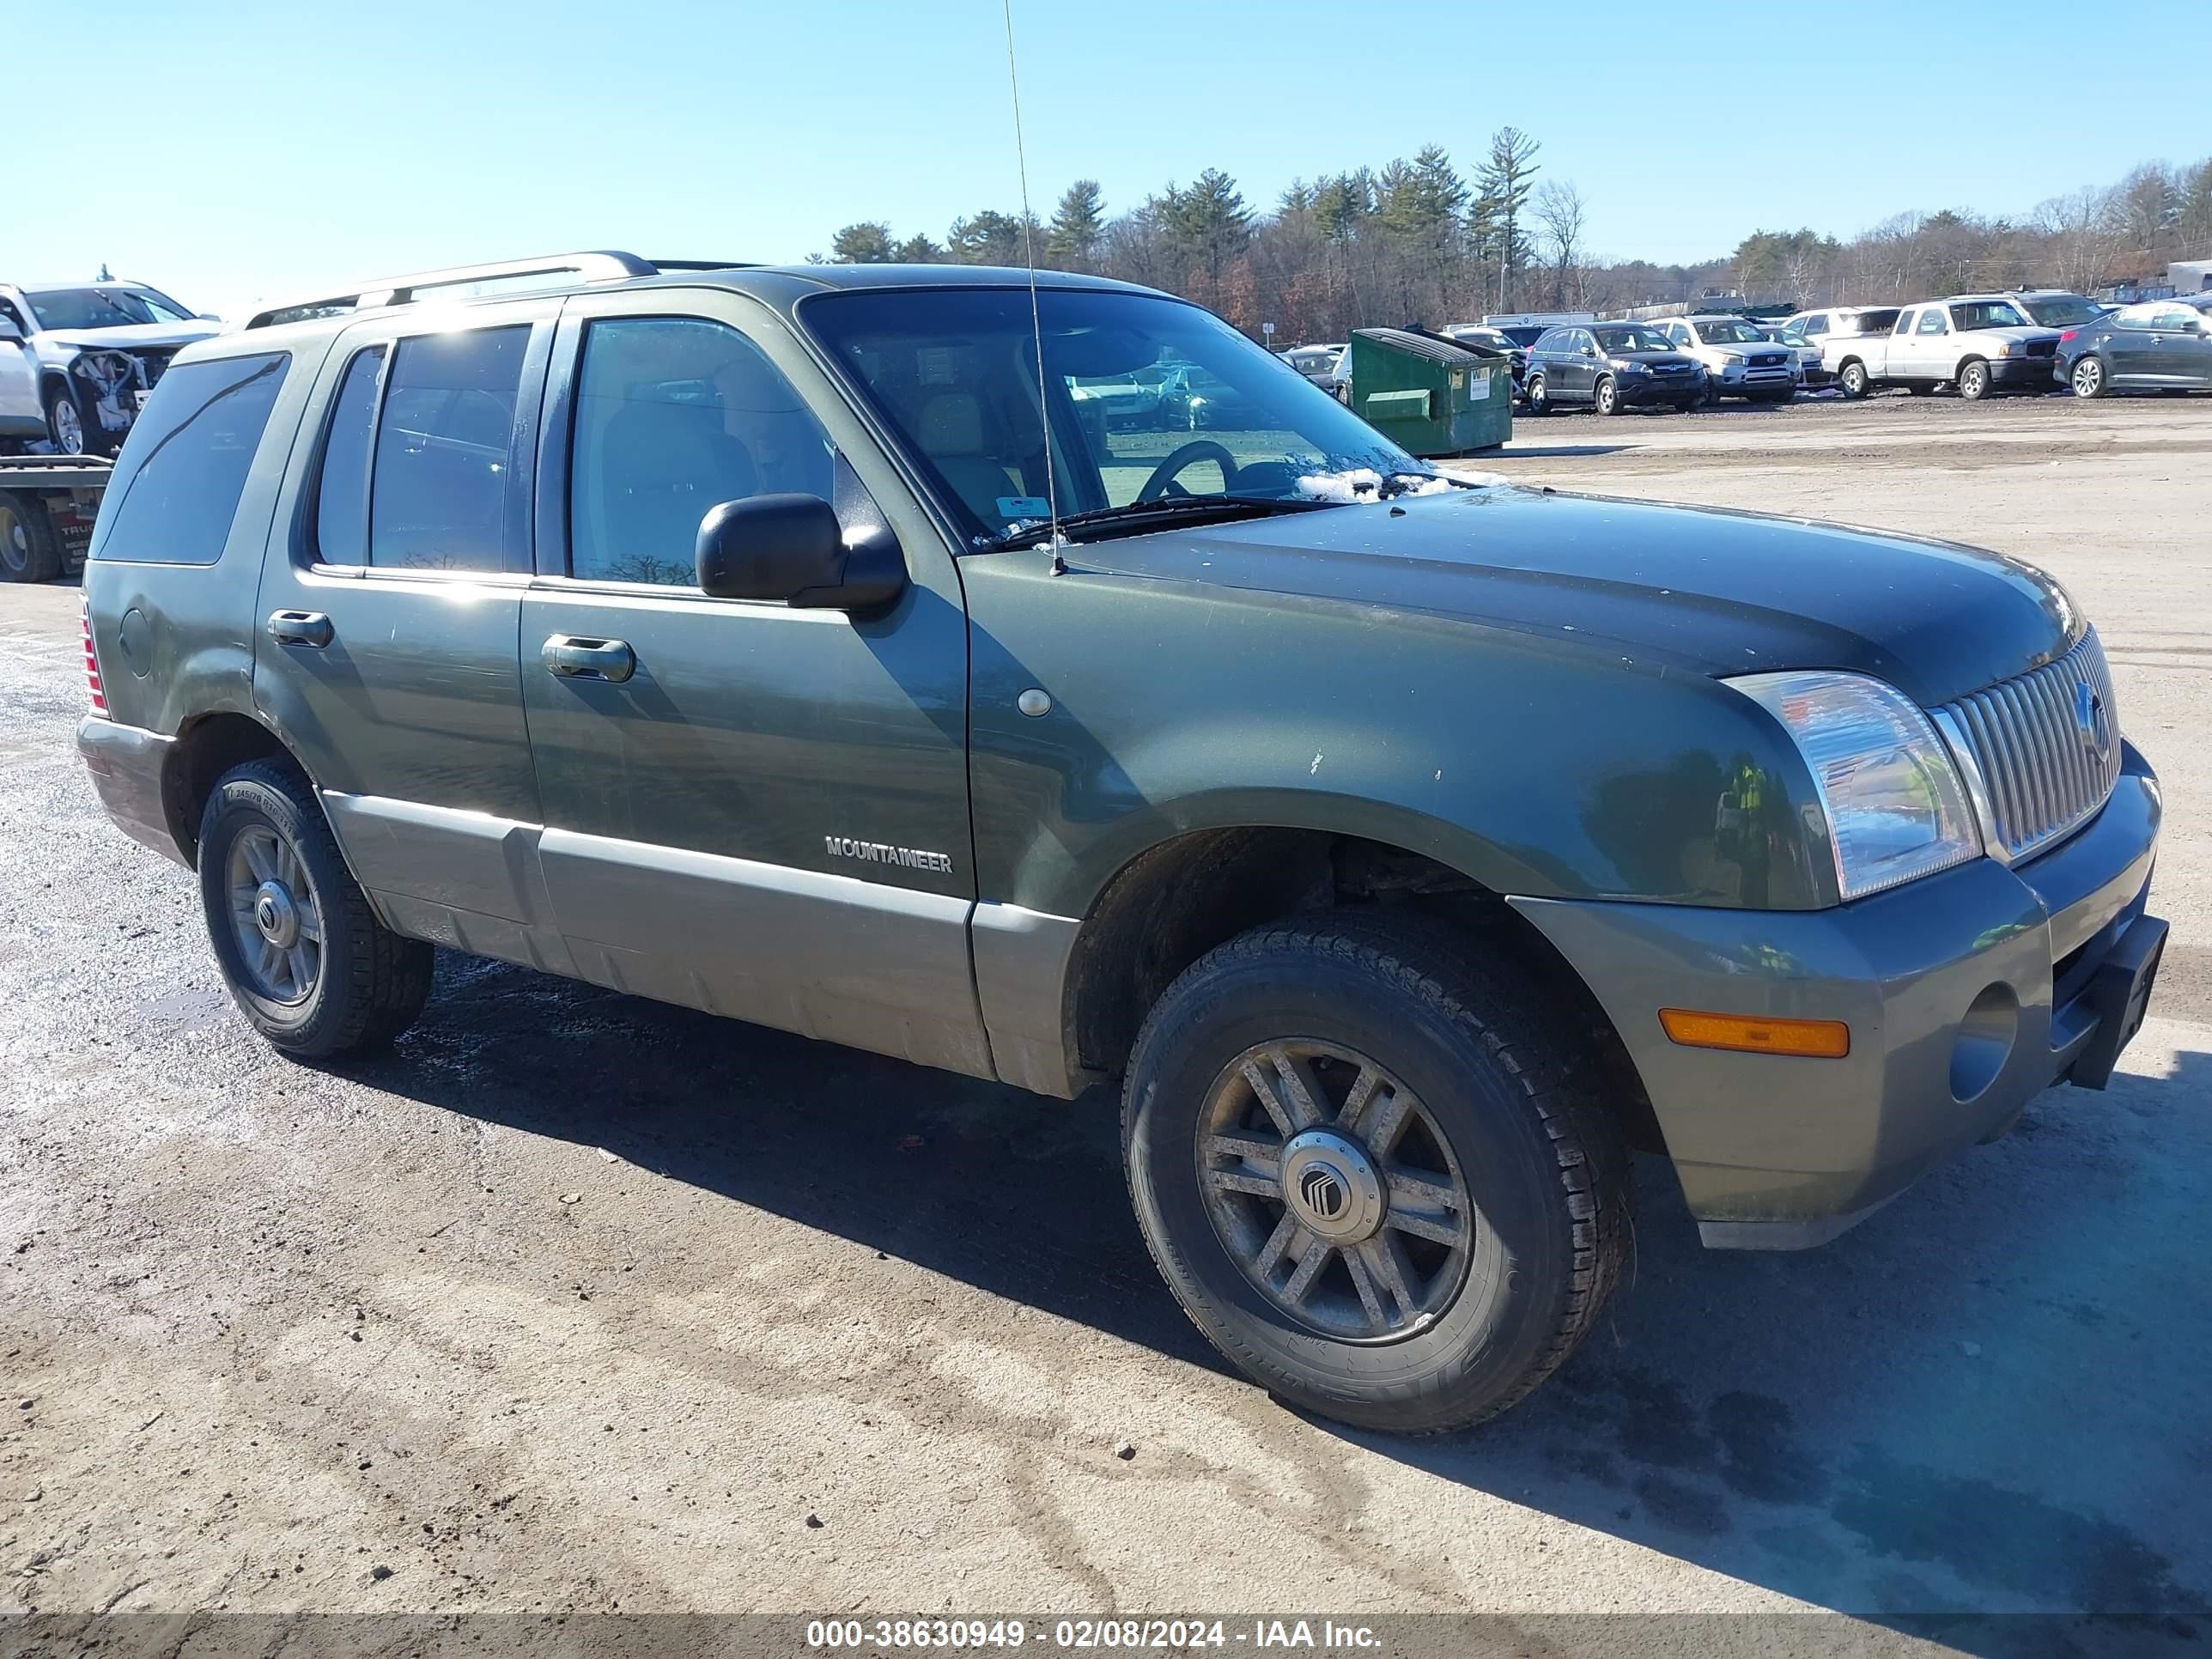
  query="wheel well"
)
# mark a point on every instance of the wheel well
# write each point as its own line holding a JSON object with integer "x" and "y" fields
{"x": 205, "y": 750}
{"x": 1175, "y": 902}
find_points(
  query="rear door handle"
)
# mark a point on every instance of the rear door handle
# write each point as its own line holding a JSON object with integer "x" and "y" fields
{"x": 575, "y": 657}
{"x": 310, "y": 627}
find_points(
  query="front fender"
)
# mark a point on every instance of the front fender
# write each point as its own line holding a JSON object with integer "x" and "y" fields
{"x": 1536, "y": 766}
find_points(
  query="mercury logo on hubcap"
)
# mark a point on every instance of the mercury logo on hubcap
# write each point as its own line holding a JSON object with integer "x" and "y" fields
{"x": 1323, "y": 1190}
{"x": 1331, "y": 1184}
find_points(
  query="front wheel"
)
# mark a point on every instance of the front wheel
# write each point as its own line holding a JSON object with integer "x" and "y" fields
{"x": 66, "y": 428}
{"x": 307, "y": 962}
{"x": 1540, "y": 402}
{"x": 2087, "y": 379}
{"x": 1607, "y": 397}
{"x": 1974, "y": 381}
{"x": 1369, "y": 1164}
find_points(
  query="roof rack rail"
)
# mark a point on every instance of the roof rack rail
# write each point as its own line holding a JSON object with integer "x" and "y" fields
{"x": 704, "y": 264}
{"x": 602, "y": 266}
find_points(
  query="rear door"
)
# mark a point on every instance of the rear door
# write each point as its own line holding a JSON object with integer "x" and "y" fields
{"x": 754, "y": 809}
{"x": 2130, "y": 348}
{"x": 2178, "y": 351}
{"x": 385, "y": 649}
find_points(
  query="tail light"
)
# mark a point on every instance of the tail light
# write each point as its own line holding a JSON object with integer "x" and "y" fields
{"x": 2068, "y": 335}
{"x": 91, "y": 664}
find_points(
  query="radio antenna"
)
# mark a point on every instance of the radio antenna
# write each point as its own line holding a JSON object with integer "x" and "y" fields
{"x": 1036, "y": 321}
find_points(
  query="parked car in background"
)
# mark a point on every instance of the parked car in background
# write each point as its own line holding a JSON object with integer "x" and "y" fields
{"x": 1739, "y": 361}
{"x": 1812, "y": 372}
{"x": 1833, "y": 322}
{"x": 1978, "y": 342}
{"x": 1194, "y": 398}
{"x": 2159, "y": 345}
{"x": 1318, "y": 363}
{"x": 1610, "y": 367}
{"x": 22, "y": 416}
{"x": 2055, "y": 308}
{"x": 101, "y": 349}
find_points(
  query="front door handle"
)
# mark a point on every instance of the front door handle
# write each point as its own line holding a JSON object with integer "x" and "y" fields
{"x": 575, "y": 657}
{"x": 310, "y": 627}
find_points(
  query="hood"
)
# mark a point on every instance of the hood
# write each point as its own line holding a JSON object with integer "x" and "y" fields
{"x": 1715, "y": 592}
{"x": 1651, "y": 359}
{"x": 2019, "y": 333}
{"x": 130, "y": 339}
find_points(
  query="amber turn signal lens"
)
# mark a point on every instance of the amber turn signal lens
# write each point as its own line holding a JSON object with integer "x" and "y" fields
{"x": 1810, "y": 1039}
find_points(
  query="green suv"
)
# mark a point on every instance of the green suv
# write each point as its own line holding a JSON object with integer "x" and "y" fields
{"x": 786, "y": 643}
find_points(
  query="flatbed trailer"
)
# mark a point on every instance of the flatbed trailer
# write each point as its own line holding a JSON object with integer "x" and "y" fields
{"x": 47, "y": 506}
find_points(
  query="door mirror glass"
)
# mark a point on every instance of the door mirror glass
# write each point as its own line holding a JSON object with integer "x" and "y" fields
{"x": 791, "y": 547}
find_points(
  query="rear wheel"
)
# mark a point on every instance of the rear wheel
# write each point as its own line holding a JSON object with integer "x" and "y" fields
{"x": 2087, "y": 379}
{"x": 1853, "y": 380}
{"x": 1607, "y": 396}
{"x": 307, "y": 960}
{"x": 1370, "y": 1166}
{"x": 29, "y": 549}
{"x": 1974, "y": 380}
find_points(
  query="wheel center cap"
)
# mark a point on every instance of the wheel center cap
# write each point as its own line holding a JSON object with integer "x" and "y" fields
{"x": 1332, "y": 1187}
{"x": 276, "y": 915}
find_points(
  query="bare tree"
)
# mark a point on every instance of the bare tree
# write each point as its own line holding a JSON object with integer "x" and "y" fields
{"x": 1560, "y": 211}
{"x": 2085, "y": 233}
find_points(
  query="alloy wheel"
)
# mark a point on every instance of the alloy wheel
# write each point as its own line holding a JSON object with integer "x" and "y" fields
{"x": 2088, "y": 378}
{"x": 69, "y": 426}
{"x": 1332, "y": 1187}
{"x": 276, "y": 917}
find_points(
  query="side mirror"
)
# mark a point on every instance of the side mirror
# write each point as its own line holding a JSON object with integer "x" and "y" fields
{"x": 8, "y": 332}
{"x": 792, "y": 547}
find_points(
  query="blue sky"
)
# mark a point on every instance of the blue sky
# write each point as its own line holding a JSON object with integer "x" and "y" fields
{"x": 229, "y": 152}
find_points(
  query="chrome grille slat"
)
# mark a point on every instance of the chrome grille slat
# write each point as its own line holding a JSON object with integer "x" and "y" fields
{"x": 2040, "y": 771}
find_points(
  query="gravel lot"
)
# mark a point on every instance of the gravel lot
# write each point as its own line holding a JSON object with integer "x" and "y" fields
{"x": 574, "y": 1303}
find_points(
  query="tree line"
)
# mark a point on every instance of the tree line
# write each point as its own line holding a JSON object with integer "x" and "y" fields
{"x": 1419, "y": 241}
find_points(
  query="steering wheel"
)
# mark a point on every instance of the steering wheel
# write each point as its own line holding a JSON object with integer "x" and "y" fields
{"x": 1199, "y": 449}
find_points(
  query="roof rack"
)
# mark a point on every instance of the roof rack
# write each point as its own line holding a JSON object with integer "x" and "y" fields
{"x": 596, "y": 267}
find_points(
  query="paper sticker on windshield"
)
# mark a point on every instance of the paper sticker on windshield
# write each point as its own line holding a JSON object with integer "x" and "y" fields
{"x": 1024, "y": 507}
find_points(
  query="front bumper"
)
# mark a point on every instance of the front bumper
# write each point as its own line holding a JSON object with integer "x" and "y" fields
{"x": 1967, "y": 993}
{"x": 2021, "y": 370}
{"x": 128, "y": 765}
{"x": 1757, "y": 383}
{"x": 1636, "y": 390}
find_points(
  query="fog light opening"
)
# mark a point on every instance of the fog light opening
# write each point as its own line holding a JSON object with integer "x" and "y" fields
{"x": 1984, "y": 1042}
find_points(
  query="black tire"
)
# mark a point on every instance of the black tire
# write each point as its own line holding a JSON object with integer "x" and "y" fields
{"x": 1605, "y": 397}
{"x": 2088, "y": 378}
{"x": 1974, "y": 381}
{"x": 29, "y": 549}
{"x": 1690, "y": 405}
{"x": 1540, "y": 402}
{"x": 371, "y": 984}
{"x": 1852, "y": 379}
{"x": 63, "y": 407}
{"x": 1504, "y": 1082}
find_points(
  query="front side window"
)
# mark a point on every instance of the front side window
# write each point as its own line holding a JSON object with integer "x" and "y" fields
{"x": 176, "y": 486}
{"x": 1206, "y": 413}
{"x": 438, "y": 495}
{"x": 675, "y": 415}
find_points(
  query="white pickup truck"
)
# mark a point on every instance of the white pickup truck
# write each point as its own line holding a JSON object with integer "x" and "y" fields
{"x": 1978, "y": 342}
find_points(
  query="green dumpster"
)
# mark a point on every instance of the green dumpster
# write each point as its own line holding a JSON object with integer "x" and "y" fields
{"x": 1430, "y": 395}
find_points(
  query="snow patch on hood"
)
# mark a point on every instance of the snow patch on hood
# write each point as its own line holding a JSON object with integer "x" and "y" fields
{"x": 1364, "y": 484}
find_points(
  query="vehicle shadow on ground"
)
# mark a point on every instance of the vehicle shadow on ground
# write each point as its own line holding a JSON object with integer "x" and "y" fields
{"x": 1918, "y": 1419}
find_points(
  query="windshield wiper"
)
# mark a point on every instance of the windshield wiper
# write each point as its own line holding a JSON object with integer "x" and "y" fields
{"x": 1162, "y": 508}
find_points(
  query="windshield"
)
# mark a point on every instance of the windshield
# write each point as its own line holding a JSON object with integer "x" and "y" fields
{"x": 1633, "y": 339}
{"x": 2061, "y": 310}
{"x": 102, "y": 307}
{"x": 954, "y": 373}
{"x": 1731, "y": 331}
{"x": 1987, "y": 313}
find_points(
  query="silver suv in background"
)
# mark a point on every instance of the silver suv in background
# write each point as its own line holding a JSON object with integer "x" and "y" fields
{"x": 100, "y": 349}
{"x": 1739, "y": 361}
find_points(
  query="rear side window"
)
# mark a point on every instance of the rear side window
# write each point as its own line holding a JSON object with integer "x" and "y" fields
{"x": 178, "y": 481}
{"x": 342, "y": 493}
{"x": 438, "y": 493}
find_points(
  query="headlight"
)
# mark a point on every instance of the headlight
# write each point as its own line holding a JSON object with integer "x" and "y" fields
{"x": 1626, "y": 367}
{"x": 2004, "y": 349}
{"x": 1896, "y": 809}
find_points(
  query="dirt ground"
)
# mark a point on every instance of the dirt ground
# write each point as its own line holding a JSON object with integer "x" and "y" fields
{"x": 574, "y": 1303}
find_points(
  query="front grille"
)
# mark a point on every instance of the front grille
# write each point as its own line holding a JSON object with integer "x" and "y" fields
{"x": 1765, "y": 360}
{"x": 2043, "y": 347}
{"x": 2046, "y": 745}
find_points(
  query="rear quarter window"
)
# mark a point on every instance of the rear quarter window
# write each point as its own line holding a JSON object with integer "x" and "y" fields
{"x": 176, "y": 486}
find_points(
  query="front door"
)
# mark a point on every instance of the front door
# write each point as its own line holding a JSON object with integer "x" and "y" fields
{"x": 384, "y": 648}
{"x": 754, "y": 809}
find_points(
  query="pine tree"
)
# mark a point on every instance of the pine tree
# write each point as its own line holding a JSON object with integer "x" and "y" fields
{"x": 1078, "y": 225}
{"x": 1506, "y": 179}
